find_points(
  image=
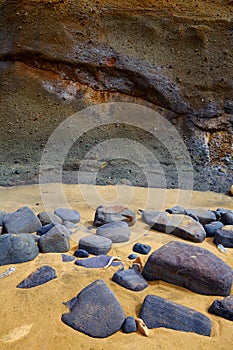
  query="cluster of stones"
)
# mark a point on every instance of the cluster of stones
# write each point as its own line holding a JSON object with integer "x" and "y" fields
{"x": 95, "y": 311}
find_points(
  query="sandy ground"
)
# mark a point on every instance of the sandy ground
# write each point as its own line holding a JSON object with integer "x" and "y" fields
{"x": 31, "y": 319}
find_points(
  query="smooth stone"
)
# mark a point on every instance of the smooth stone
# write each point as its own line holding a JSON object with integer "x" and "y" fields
{"x": 118, "y": 232}
{"x": 42, "y": 275}
{"x": 204, "y": 216}
{"x": 48, "y": 218}
{"x": 15, "y": 249}
{"x": 96, "y": 245}
{"x": 191, "y": 267}
{"x": 158, "y": 312}
{"x": 45, "y": 229}
{"x": 150, "y": 216}
{"x": 180, "y": 225}
{"x": 130, "y": 279}
{"x": 70, "y": 225}
{"x": 24, "y": 220}
{"x": 227, "y": 218}
{"x": 81, "y": 253}
{"x": 105, "y": 215}
{"x": 67, "y": 214}
{"x": 224, "y": 237}
{"x": 132, "y": 256}
{"x": 67, "y": 258}
{"x": 223, "y": 308}
{"x": 176, "y": 210}
{"x": 141, "y": 248}
{"x": 96, "y": 262}
{"x": 96, "y": 311}
{"x": 56, "y": 240}
{"x": 129, "y": 326}
{"x": 211, "y": 228}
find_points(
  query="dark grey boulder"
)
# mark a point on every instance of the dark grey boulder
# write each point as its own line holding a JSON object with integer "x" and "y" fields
{"x": 224, "y": 237}
{"x": 158, "y": 312}
{"x": 104, "y": 215}
{"x": 99, "y": 261}
{"x": 48, "y": 218}
{"x": 67, "y": 214}
{"x": 176, "y": 210}
{"x": 130, "y": 279}
{"x": 118, "y": 232}
{"x": 190, "y": 267}
{"x": 227, "y": 218}
{"x": 180, "y": 225}
{"x": 129, "y": 326}
{"x": 150, "y": 216}
{"x": 15, "y": 249}
{"x": 42, "y": 275}
{"x": 96, "y": 311}
{"x": 56, "y": 240}
{"x": 211, "y": 228}
{"x": 204, "y": 216}
{"x": 95, "y": 244}
{"x": 223, "y": 308}
{"x": 24, "y": 220}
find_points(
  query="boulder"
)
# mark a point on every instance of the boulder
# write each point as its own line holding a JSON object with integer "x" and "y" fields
{"x": 130, "y": 279}
{"x": 42, "y": 275}
{"x": 24, "y": 220}
{"x": 180, "y": 225}
{"x": 15, "y": 249}
{"x": 48, "y": 218}
{"x": 223, "y": 308}
{"x": 211, "y": 228}
{"x": 150, "y": 216}
{"x": 67, "y": 214}
{"x": 224, "y": 237}
{"x": 158, "y": 312}
{"x": 105, "y": 215}
{"x": 118, "y": 232}
{"x": 96, "y": 311}
{"x": 56, "y": 240}
{"x": 95, "y": 244}
{"x": 190, "y": 267}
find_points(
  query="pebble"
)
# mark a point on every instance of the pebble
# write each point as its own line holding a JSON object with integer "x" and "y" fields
{"x": 105, "y": 215}
{"x": 23, "y": 220}
{"x": 211, "y": 228}
{"x": 67, "y": 214}
{"x": 190, "y": 267}
{"x": 48, "y": 218}
{"x": 224, "y": 237}
{"x": 42, "y": 275}
{"x": 129, "y": 326}
{"x": 223, "y": 308}
{"x": 141, "y": 248}
{"x": 96, "y": 311}
{"x": 95, "y": 244}
{"x": 56, "y": 240}
{"x": 67, "y": 258}
{"x": 81, "y": 253}
{"x": 130, "y": 279}
{"x": 118, "y": 232}
{"x": 158, "y": 312}
{"x": 132, "y": 256}
{"x": 8, "y": 272}
{"x": 142, "y": 327}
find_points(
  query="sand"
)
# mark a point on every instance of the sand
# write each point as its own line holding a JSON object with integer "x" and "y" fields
{"x": 31, "y": 319}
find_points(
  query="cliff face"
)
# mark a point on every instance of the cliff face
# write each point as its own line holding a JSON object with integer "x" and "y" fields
{"x": 58, "y": 57}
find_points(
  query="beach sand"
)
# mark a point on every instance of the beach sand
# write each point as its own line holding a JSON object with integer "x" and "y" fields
{"x": 31, "y": 318}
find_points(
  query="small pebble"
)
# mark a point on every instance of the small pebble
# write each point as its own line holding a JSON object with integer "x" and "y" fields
{"x": 129, "y": 326}
{"x": 132, "y": 256}
{"x": 67, "y": 258}
{"x": 142, "y": 327}
{"x": 141, "y": 248}
{"x": 81, "y": 253}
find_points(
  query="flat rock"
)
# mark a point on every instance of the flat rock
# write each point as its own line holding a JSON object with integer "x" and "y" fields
{"x": 105, "y": 215}
{"x": 15, "y": 249}
{"x": 158, "y": 312}
{"x": 180, "y": 225}
{"x": 95, "y": 244}
{"x": 67, "y": 214}
{"x": 96, "y": 311}
{"x": 118, "y": 232}
{"x": 204, "y": 216}
{"x": 48, "y": 218}
{"x": 129, "y": 326}
{"x": 190, "y": 267}
{"x": 211, "y": 228}
{"x": 56, "y": 240}
{"x": 227, "y": 218}
{"x": 150, "y": 216}
{"x": 42, "y": 275}
{"x": 130, "y": 279}
{"x": 141, "y": 248}
{"x": 67, "y": 258}
{"x": 99, "y": 261}
{"x": 224, "y": 237}
{"x": 24, "y": 220}
{"x": 223, "y": 308}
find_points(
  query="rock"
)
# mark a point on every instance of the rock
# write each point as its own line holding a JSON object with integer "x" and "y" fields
{"x": 48, "y": 218}
{"x": 15, "y": 249}
{"x": 105, "y": 215}
{"x": 99, "y": 261}
{"x": 96, "y": 245}
{"x": 231, "y": 190}
{"x": 81, "y": 253}
{"x": 45, "y": 229}
{"x": 129, "y": 326}
{"x": 132, "y": 256}
{"x": 150, "y": 216}
{"x": 56, "y": 240}
{"x": 141, "y": 248}
{"x": 130, "y": 279}
{"x": 96, "y": 311}
{"x": 23, "y": 220}
{"x": 176, "y": 210}
{"x": 158, "y": 312}
{"x": 118, "y": 232}
{"x": 42, "y": 275}
{"x": 227, "y": 218}
{"x": 211, "y": 228}
{"x": 70, "y": 225}
{"x": 204, "y": 216}
{"x": 224, "y": 210}
{"x": 67, "y": 214}
{"x": 180, "y": 225}
{"x": 228, "y": 107}
{"x": 190, "y": 267}
{"x": 224, "y": 237}
{"x": 223, "y": 308}
{"x": 67, "y": 258}
{"x": 141, "y": 326}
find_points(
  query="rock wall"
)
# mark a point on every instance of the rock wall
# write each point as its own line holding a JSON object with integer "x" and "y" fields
{"x": 58, "y": 57}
